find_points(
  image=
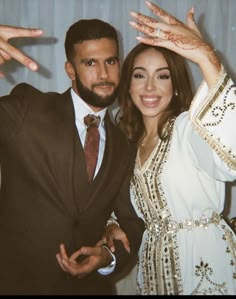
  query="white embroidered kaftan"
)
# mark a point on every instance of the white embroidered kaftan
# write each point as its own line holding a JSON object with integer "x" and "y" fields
{"x": 187, "y": 247}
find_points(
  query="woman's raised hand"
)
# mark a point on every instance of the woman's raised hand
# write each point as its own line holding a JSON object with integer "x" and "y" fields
{"x": 185, "y": 40}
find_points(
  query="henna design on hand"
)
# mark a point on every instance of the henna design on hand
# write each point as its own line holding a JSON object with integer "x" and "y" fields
{"x": 163, "y": 14}
{"x": 183, "y": 42}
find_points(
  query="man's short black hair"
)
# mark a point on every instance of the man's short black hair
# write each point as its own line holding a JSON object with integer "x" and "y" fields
{"x": 88, "y": 29}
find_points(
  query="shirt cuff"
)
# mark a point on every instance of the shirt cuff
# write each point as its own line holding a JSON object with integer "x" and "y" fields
{"x": 109, "y": 269}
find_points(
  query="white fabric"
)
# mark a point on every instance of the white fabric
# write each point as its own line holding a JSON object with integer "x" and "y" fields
{"x": 191, "y": 185}
{"x": 109, "y": 269}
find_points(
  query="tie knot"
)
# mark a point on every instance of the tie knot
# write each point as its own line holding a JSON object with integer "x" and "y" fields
{"x": 91, "y": 120}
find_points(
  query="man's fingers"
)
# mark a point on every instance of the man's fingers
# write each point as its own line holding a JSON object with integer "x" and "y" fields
{"x": 110, "y": 244}
{"x": 13, "y": 32}
{"x": 5, "y": 56}
{"x": 70, "y": 267}
{"x": 75, "y": 255}
{"x": 102, "y": 241}
{"x": 63, "y": 252}
{"x": 59, "y": 260}
{"x": 8, "y": 51}
{"x": 11, "y": 52}
{"x": 127, "y": 246}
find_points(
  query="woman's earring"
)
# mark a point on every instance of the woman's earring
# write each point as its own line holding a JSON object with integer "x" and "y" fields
{"x": 176, "y": 93}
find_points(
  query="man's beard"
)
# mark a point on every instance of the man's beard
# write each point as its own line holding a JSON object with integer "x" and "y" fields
{"x": 94, "y": 99}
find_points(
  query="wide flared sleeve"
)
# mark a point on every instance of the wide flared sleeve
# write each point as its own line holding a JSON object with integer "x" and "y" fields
{"x": 213, "y": 114}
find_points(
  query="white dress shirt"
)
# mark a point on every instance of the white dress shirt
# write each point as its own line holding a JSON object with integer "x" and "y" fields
{"x": 81, "y": 110}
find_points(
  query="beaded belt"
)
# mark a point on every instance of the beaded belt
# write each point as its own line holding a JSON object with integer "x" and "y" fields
{"x": 165, "y": 226}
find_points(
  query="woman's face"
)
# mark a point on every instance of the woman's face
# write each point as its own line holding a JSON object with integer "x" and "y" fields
{"x": 151, "y": 86}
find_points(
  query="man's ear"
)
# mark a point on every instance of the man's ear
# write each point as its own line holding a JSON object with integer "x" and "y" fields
{"x": 70, "y": 70}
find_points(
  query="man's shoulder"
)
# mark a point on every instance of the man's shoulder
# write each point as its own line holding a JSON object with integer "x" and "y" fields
{"x": 25, "y": 88}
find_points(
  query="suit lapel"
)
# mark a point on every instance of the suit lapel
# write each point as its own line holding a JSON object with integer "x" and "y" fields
{"x": 74, "y": 151}
{"x": 80, "y": 179}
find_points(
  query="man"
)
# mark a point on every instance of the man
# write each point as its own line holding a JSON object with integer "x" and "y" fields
{"x": 47, "y": 199}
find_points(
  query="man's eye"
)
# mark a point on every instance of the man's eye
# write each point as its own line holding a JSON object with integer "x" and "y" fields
{"x": 111, "y": 61}
{"x": 90, "y": 63}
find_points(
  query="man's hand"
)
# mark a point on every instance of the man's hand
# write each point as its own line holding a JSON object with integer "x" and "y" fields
{"x": 8, "y": 52}
{"x": 91, "y": 259}
{"x": 114, "y": 232}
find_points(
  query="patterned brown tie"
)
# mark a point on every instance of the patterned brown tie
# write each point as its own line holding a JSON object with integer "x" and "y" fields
{"x": 91, "y": 146}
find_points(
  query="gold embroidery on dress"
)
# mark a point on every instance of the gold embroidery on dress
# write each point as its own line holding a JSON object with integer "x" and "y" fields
{"x": 218, "y": 112}
{"x": 214, "y": 113}
{"x": 159, "y": 259}
{"x": 204, "y": 271}
{"x": 229, "y": 237}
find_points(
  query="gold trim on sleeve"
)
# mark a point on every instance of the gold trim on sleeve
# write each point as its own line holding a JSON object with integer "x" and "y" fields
{"x": 212, "y": 113}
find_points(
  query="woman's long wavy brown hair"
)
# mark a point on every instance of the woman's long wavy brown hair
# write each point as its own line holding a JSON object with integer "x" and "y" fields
{"x": 129, "y": 118}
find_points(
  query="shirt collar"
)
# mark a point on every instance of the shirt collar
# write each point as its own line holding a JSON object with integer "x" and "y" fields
{"x": 82, "y": 109}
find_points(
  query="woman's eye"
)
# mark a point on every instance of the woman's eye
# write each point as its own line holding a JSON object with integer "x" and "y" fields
{"x": 164, "y": 77}
{"x": 138, "y": 76}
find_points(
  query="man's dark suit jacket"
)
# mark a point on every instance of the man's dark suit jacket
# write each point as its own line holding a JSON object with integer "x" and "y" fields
{"x": 46, "y": 199}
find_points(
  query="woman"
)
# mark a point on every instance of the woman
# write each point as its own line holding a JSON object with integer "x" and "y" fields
{"x": 185, "y": 154}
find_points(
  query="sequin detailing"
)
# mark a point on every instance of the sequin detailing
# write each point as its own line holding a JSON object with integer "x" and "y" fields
{"x": 166, "y": 226}
{"x": 188, "y": 256}
{"x": 219, "y": 102}
{"x": 159, "y": 260}
{"x": 204, "y": 272}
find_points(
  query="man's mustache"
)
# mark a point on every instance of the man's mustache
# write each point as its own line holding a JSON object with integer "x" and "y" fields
{"x": 103, "y": 84}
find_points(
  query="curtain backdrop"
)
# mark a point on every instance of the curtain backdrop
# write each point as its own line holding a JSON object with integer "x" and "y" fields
{"x": 216, "y": 20}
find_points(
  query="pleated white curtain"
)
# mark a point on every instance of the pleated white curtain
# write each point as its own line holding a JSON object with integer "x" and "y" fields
{"x": 216, "y": 19}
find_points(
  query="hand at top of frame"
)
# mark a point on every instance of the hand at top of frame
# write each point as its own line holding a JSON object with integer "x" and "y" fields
{"x": 8, "y": 52}
{"x": 185, "y": 40}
